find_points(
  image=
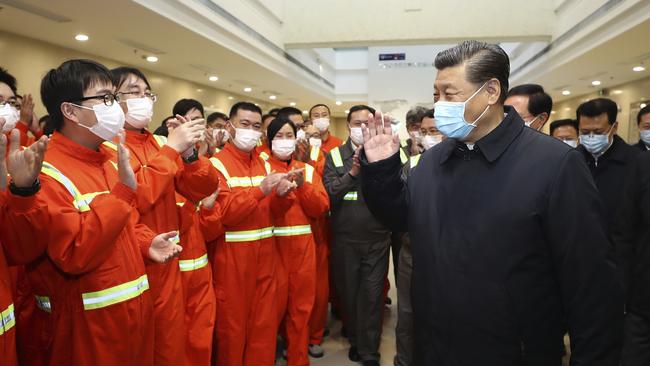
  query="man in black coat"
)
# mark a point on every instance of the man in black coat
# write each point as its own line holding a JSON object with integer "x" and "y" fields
{"x": 643, "y": 122}
{"x": 510, "y": 250}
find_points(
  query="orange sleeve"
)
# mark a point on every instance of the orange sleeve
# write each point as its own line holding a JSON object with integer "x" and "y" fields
{"x": 144, "y": 236}
{"x": 80, "y": 241}
{"x": 280, "y": 205}
{"x": 210, "y": 222}
{"x": 156, "y": 178}
{"x": 25, "y": 227}
{"x": 236, "y": 206}
{"x": 186, "y": 217}
{"x": 197, "y": 180}
{"x": 24, "y": 129}
{"x": 319, "y": 164}
{"x": 313, "y": 197}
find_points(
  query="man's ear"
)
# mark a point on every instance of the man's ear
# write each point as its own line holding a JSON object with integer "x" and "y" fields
{"x": 70, "y": 112}
{"x": 493, "y": 88}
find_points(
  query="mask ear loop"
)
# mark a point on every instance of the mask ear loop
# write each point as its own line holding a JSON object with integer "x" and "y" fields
{"x": 473, "y": 124}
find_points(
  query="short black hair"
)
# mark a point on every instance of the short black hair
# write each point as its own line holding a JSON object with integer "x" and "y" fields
{"x": 48, "y": 129}
{"x": 360, "y": 107}
{"x": 320, "y": 105}
{"x": 289, "y": 111}
{"x": 276, "y": 125}
{"x": 274, "y": 112}
{"x": 185, "y": 105}
{"x": 215, "y": 116}
{"x": 415, "y": 115}
{"x": 596, "y": 107}
{"x": 68, "y": 82}
{"x": 483, "y": 61}
{"x": 430, "y": 114}
{"x": 162, "y": 130}
{"x": 245, "y": 106}
{"x": 7, "y": 78}
{"x": 563, "y": 122}
{"x": 645, "y": 110}
{"x": 264, "y": 117}
{"x": 538, "y": 100}
{"x": 120, "y": 74}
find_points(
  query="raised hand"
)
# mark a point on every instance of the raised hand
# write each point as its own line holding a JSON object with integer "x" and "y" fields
{"x": 356, "y": 165}
{"x": 163, "y": 249}
{"x": 297, "y": 176}
{"x": 186, "y": 133}
{"x": 284, "y": 187}
{"x": 379, "y": 141}
{"x": 302, "y": 151}
{"x": 22, "y": 165}
{"x": 27, "y": 110}
{"x": 124, "y": 168}
{"x": 209, "y": 201}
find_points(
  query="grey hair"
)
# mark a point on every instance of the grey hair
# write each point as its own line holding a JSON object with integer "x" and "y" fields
{"x": 483, "y": 61}
{"x": 415, "y": 115}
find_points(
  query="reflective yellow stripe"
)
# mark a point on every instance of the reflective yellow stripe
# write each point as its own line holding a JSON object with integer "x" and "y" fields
{"x": 402, "y": 156}
{"x": 336, "y": 157}
{"x": 220, "y": 167}
{"x": 237, "y": 181}
{"x": 292, "y": 230}
{"x": 259, "y": 143}
{"x": 80, "y": 201}
{"x": 160, "y": 140}
{"x": 8, "y": 319}
{"x": 264, "y": 155}
{"x": 309, "y": 173}
{"x": 351, "y": 196}
{"x": 43, "y": 303}
{"x": 415, "y": 160}
{"x": 115, "y": 294}
{"x": 110, "y": 144}
{"x": 315, "y": 151}
{"x": 193, "y": 264}
{"x": 404, "y": 143}
{"x": 248, "y": 235}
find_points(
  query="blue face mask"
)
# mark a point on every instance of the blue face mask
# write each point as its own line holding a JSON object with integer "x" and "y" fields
{"x": 596, "y": 144}
{"x": 645, "y": 136}
{"x": 450, "y": 118}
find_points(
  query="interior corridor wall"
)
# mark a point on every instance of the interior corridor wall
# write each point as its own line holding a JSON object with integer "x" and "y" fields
{"x": 28, "y": 60}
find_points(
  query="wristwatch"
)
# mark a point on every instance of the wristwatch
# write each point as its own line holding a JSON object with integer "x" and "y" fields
{"x": 192, "y": 158}
{"x": 25, "y": 191}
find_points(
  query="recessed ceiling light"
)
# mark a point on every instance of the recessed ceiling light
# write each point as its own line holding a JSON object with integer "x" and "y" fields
{"x": 248, "y": 90}
{"x": 230, "y": 98}
{"x": 305, "y": 112}
{"x": 83, "y": 38}
{"x": 213, "y": 78}
{"x": 347, "y": 111}
{"x": 617, "y": 92}
{"x": 152, "y": 59}
{"x": 638, "y": 68}
{"x": 257, "y": 104}
{"x": 338, "y": 102}
{"x": 595, "y": 82}
{"x": 553, "y": 112}
{"x": 293, "y": 104}
{"x": 643, "y": 105}
{"x": 567, "y": 108}
{"x": 272, "y": 97}
{"x": 199, "y": 90}
{"x": 566, "y": 92}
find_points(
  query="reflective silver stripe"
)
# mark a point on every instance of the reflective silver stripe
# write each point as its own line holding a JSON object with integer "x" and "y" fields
{"x": 249, "y": 235}
{"x": 336, "y": 157}
{"x": 115, "y": 294}
{"x": 351, "y": 196}
{"x": 193, "y": 264}
{"x": 7, "y": 319}
{"x": 292, "y": 230}
{"x": 43, "y": 303}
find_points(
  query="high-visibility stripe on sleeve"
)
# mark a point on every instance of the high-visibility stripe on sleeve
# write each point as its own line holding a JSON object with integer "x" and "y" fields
{"x": 336, "y": 157}
{"x": 187, "y": 265}
{"x": 80, "y": 201}
{"x": 220, "y": 167}
{"x": 110, "y": 144}
{"x": 115, "y": 294}
{"x": 292, "y": 230}
{"x": 309, "y": 173}
{"x": 313, "y": 154}
{"x": 264, "y": 156}
{"x": 7, "y": 319}
{"x": 160, "y": 140}
{"x": 248, "y": 235}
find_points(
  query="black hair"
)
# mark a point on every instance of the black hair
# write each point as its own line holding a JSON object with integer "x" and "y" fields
{"x": 415, "y": 115}
{"x": 430, "y": 114}
{"x": 162, "y": 130}
{"x": 215, "y": 116}
{"x": 288, "y": 112}
{"x": 320, "y": 105}
{"x": 360, "y": 107}
{"x": 264, "y": 117}
{"x": 245, "y": 106}
{"x": 120, "y": 74}
{"x": 274, "y": 112}
{"x": 596, "y": 107}
{"x": 276, "y": 125}
{"x": 68, "y": 82}
{"x": 538, "y": 100}
{"x": 185, "y": 105}
{"x": 7, "y": 78}
{"x": 563, "y": 122}
{"x": 645, "y": 110}
{"x": 483, "y": 61}
{"x": 48, "y": 129}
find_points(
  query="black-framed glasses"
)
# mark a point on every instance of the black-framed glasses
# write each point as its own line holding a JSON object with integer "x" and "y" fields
{"x": 108, "y": 99}
{"x": 146, "y": 94}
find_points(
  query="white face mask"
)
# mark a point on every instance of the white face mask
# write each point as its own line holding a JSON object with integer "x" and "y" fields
{"x": 356, "y": 135}
{"x": 315, "y": 142}
{"x": 11, "y": 116}
{"x": 416, "y": 135}
{"x": 110, "y": 120}
{"x": 322, "y": 124}
{"x": 572, "y": 143}
{"x": 226, "y": 134}
{"x": 246, "y": 139}
{"x": 283, "y": 148}
{"x": 140, "y": 111}
{"x": 300, "y": 135}
{"x": 429, "y": 141}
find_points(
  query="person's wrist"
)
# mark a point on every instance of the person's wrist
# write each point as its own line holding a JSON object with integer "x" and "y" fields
{"x": 25, "y": 190}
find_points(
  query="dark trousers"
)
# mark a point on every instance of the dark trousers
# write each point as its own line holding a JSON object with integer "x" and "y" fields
{"x": 636, "y": 344}
{"x": 404, "y": 330}
{"x": 360, "y": 273}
